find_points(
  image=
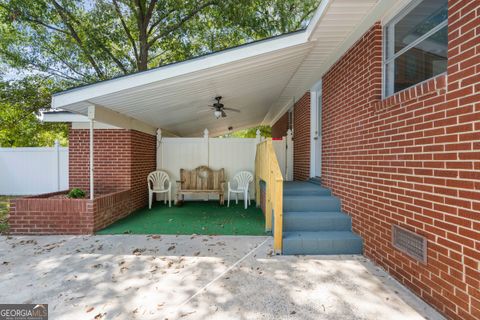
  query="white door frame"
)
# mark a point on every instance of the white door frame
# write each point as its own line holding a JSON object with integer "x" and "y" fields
{"x": 315, "y": 127}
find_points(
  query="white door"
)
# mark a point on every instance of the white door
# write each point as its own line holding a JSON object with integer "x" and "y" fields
{"x": 318, "y": 137}
{"x": 316, "y": 130}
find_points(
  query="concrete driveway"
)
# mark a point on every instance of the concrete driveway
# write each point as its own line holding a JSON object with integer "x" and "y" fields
{"x": 195, "y": 277}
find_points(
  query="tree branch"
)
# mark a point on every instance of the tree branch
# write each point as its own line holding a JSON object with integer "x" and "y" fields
{"x": 180, "y": 23}
{"x": 149, "y": 12}
{"x": 94, "y": 37}
{"x": 67, "y": 64}
{"x": 31, "y": 19}
{"x": 156, "y": 23}
{"x": 305, "y": 16}
{"x": 125, "y": 27}
{"x": 65, "y": 16}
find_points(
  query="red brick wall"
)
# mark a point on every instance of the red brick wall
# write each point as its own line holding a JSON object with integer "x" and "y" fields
{"x": 412, "y": 160}
{"x": 122, "y": 160}
{"x": 301, "y": 138}
{"x": 38, "y": 216}
{"x": 112, "y": 207}
{"x": 41, "y": 215}
{"x": 112, "y": 159}
{"x": 280, "y": 128}
{"x": 144, "y": 161}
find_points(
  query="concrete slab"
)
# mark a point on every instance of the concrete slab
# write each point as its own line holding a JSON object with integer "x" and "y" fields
{"x": 195, "y": 277}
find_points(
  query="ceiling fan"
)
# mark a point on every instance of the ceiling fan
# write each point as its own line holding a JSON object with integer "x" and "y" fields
{"x": 219, "y": 109}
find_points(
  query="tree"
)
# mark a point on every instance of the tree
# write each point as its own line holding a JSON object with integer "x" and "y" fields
{"x": 85, "y": 41}
{"x": 20, "y": 104}
{"x": 49, "y": 45}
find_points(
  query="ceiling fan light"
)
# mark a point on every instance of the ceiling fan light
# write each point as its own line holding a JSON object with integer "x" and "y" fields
{"x": 217, "y": 114}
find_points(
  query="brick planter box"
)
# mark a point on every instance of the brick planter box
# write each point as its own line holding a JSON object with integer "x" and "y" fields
{"x": 42, "y": 214}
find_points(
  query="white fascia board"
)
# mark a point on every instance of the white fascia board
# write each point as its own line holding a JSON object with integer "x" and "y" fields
{"x": 319, "y": 13}
{"x": 62, "y": 117}
{"x": 103, "y": 88}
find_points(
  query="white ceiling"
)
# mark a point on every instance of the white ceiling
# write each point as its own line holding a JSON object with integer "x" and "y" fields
{"x": 261, "y": 79}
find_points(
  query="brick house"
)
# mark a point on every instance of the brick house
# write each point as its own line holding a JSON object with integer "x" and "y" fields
{"x": 406, "y": 155}
{"x": 383, "y": 98}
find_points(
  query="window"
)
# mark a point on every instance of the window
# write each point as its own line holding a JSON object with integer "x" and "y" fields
{"x": 415, "y": 47}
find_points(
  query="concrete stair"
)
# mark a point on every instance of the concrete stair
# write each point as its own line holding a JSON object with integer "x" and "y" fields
{"x": 314, "y": 224}
{"x": 316, "y": 180}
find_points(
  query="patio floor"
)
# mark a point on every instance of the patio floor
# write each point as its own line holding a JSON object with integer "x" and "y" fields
{"x": 193, "y": 217}
{"x": 195, "y": 277}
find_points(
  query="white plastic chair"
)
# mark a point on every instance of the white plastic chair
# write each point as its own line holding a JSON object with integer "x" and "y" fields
{"x": 156, "y": 184}
{"x": 243, "y": 180}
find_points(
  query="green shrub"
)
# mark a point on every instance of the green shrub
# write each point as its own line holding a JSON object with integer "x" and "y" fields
{"x": 76, "y": 193}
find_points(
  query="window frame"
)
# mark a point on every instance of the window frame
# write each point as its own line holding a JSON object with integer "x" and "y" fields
{"x": 390, "y": 39}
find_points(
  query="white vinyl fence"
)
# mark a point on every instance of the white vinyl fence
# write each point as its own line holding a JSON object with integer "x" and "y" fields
{"x": 28, "y": 171}
{"x": 232, "y": 154}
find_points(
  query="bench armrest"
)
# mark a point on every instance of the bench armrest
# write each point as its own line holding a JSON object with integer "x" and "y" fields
{"x": 179, "y": 184}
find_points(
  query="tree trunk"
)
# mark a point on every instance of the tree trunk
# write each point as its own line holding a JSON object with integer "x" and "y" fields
{"x": 143, "y": 20}
{"x": 142, "y": 62}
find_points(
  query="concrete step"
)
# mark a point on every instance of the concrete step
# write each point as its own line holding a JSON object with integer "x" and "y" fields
{"x": 311, "y": 203}
{"x": 316, "y": 180}
{"x": 321, "y": 243}
{"x": 316, "y": 221}
{"x": 304, "y": 188}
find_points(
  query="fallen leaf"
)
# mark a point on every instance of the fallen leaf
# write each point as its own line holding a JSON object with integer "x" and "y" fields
{"x": 89, "y": 309}
{"x": 138, "y": 252}
{"x": 186, "y": 314}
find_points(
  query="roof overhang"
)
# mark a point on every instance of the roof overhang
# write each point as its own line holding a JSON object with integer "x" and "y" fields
{"x": 262, "y": 79}
{"x": 62, "y": 116}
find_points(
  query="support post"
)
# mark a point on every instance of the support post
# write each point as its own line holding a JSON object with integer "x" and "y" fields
{"x": 207, "y": 145}
{"x": 289, "y": 156}
{"x": 159, "y": 149}
{"x": 91, "y": 116}
{"x": 258, "y": 137}
{"x": 57, "y": 160}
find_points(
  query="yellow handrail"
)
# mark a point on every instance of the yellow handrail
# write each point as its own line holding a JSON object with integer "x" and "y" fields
{"x": 268, "y": 170}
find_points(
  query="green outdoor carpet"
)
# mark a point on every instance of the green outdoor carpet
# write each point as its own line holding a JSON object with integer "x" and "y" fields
{"x": 198, "y": 217}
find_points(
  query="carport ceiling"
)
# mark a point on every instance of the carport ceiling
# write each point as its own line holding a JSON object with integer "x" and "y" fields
{"x": 261, "y": 79}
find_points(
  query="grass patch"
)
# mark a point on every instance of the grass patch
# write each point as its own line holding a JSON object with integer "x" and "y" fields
{"x": 197, "y": 217}
{"x": 4, "y": 206}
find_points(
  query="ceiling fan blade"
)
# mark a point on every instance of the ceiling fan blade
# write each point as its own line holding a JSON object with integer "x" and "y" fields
{"x": 224, "y": 115}
{"x": 232, "y": 109}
